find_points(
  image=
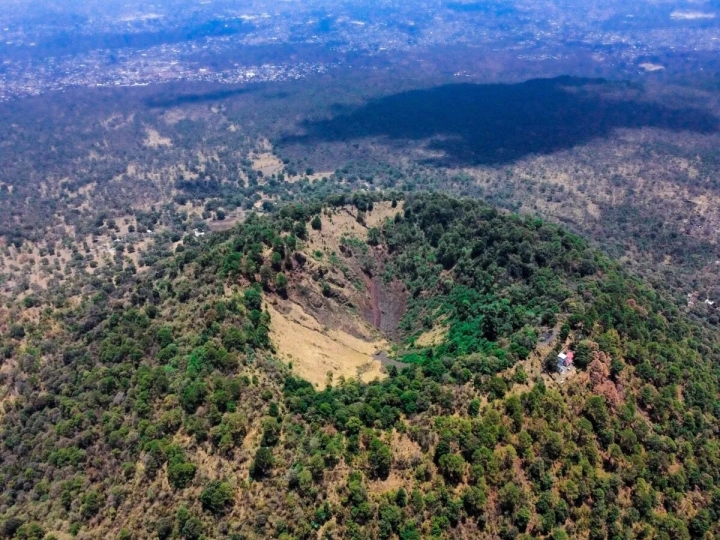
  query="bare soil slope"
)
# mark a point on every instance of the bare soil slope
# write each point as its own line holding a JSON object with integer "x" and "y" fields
{"x": 340, "y": 313}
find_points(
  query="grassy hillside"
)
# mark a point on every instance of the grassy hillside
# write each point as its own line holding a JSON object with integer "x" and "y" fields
{"x": 168, "y": 404}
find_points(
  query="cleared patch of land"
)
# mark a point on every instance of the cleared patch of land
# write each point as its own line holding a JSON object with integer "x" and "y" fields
{"x": 155, "y": 140}
{"x": 267, "y": 163}
{"x": 344, "y": 222}
{"x": 316, "y": 351}
{"x": 434, "y": 336}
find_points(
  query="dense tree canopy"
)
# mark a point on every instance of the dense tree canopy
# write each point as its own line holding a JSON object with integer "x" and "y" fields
{"x": 155, "y": 404}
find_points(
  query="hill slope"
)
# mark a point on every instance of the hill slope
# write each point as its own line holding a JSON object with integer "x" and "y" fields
{"x": 171, "y": 404}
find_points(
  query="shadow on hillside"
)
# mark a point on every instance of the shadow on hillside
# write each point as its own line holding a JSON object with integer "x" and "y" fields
{"x": 500, "y": 123}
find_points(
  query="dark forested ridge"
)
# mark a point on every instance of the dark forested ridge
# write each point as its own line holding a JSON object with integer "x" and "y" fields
{"x": 152, "y": 405}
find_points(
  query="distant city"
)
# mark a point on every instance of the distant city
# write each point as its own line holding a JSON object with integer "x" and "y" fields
{"x": 146, "y": 44}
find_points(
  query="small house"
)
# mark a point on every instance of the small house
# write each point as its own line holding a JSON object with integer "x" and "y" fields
{"x": 565, "y": 361}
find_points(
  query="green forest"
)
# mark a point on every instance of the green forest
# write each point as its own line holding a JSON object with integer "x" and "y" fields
{"x": 153, "y": 405}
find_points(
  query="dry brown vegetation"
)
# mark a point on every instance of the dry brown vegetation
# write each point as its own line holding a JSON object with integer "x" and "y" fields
{"x": 320, "y": 354}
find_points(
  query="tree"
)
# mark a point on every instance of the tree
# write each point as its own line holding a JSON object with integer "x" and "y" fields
{"x": 474, "y": 499}
{"x": 510, "y": 497}
{"x": 266, "y": 275}
{"x": 263, "y": 463}
{"x": 165, "y": 336}
{"x": 217, "y": 497}
{"x": 583, "y": 354}
{"x": 496, "y": 387}
{"x": 550, "y": 362}
{"x": 452, "y": 467}
{"x": 31, "y": 531}
{"x": 233, "y": 339}
{"x": 192, "y": 529}
{"x": 91, "y": 503}
{"x": 271, "y": 432}
{"x": 10, "y": 526}
{"x": 596, "y": 411}
{"x": 252, "y": 299}
{"x": 300, "y": 230}
{"x": 373, "y": 236}
{"x": 390, "y": 519}
{"x": 522, "y": 518}
{"x": 316, "y": 223}
{"x": 17, "y": 331}
{"x": 164, "y": 528}
{"x": 281, "y": 284}
{"x": 276, "y": 260}
{"x": 181, "y": 474}
{"x": 379, "y": 459}
{"x": 316, "y": 466}
{"x": 474, "y": 407}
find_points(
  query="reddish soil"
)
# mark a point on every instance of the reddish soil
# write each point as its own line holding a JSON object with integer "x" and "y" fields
{"x": 382, "y": 304}
{"x": 376, "y": 313}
